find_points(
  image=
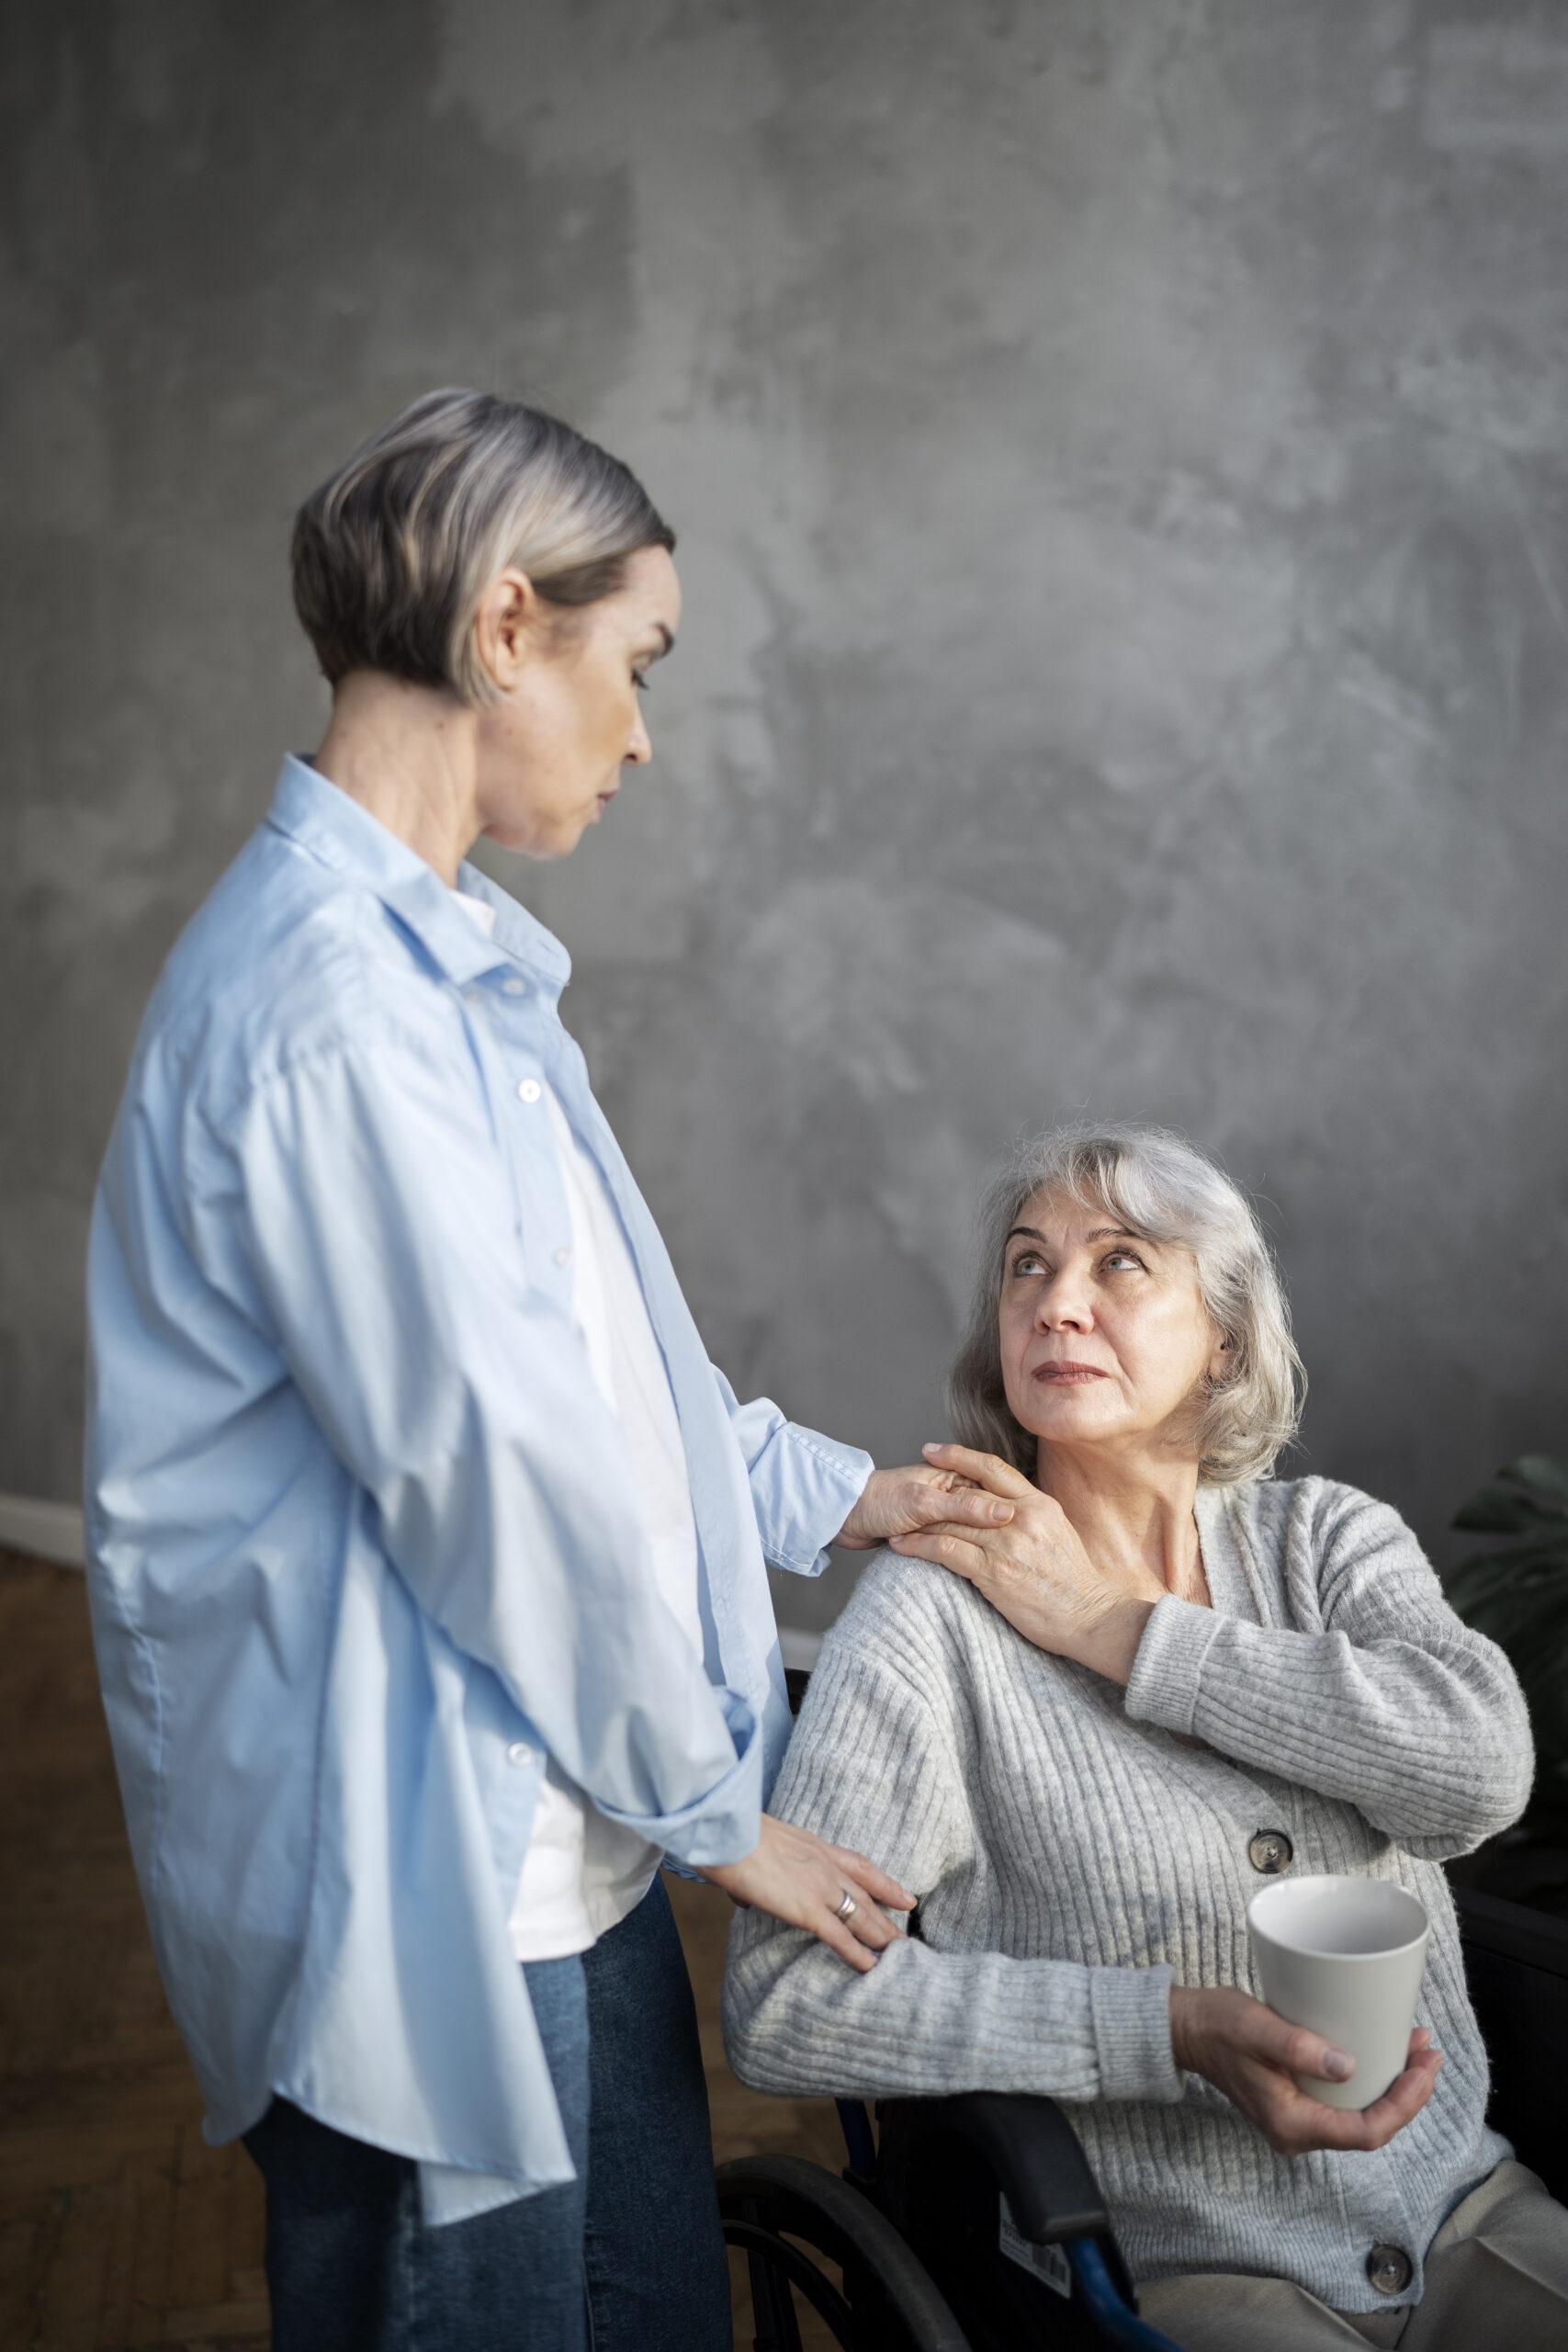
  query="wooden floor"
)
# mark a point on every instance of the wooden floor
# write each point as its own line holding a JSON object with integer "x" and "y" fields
{"x": 119, "y": 2226}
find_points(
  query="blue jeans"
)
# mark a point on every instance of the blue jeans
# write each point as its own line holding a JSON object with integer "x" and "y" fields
{"x": 628, "y": 2257}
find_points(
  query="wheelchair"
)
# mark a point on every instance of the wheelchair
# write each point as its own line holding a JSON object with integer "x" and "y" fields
{"x": 974, "y": 2224}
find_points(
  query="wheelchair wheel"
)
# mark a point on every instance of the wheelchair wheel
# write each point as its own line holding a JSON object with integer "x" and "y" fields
{"x": 789, "y": 2217}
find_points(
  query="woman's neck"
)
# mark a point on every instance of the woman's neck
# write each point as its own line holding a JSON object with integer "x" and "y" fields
{"x": 1130, "y": 1508}
{"x": 408, "y": 754}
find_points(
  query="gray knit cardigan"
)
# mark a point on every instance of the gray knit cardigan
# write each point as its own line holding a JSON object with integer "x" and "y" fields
{"x": 1075, "y": 1857}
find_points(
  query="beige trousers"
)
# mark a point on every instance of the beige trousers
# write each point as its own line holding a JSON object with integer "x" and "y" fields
{"x": 1496, "y": 2280}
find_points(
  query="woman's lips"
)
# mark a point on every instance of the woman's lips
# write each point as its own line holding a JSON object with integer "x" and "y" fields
{"x": 1067, "y": 1375}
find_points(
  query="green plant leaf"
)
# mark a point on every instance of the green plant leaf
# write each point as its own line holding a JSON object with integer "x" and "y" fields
{"x": 1529, "y": 1625}
{"x": 1547, "y": 1472}
{"x": 1518, "y": 1596}
{"x": 1493, "y": 1510}
{"x": 1528, "y": 1568}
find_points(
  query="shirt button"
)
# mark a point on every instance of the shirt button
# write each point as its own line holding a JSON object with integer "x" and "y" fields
{"x": 530, "y": 1089}
{"x": 473, "y": 995}
{"x": 512, "y": 986}
{"x": 1389, "y": 2269}
{"x": 520, "y": 1752}
{"x": 1271, "y": 1852}
{"x": 563, "y": 1257}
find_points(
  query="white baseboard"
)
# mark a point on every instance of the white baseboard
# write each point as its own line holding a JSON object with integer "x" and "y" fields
{"x": 48, "y": 1531}
{"x": 799, "y": 1649}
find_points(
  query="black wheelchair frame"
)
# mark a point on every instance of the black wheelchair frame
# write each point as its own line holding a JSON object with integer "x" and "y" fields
{"x": 974, "y": 2224}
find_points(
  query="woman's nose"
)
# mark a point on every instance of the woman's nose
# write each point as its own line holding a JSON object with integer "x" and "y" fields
{"x": 1064, "y": 1307}
{"x": 639, "y": 750}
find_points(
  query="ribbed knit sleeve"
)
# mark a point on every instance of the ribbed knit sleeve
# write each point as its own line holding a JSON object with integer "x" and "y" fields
{"x": 874, "y": 1766}
{"x": 1389, "y": 1704}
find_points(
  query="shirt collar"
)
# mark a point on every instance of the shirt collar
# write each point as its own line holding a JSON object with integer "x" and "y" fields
{"x": 339, "y": 833}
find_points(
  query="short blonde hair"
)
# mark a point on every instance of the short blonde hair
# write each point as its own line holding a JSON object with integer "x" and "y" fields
{"x": 393, "y": 552}
{"x": 1154, "y": 1184}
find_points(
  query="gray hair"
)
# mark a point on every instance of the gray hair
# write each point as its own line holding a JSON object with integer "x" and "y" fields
{"x": 1155, "y": 1184}
{"x": 393, "y": 553}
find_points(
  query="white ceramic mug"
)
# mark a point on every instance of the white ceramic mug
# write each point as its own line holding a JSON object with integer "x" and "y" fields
{"x": 1344, "y": 1957}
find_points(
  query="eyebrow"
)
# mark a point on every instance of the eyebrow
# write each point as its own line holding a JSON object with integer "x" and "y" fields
{"x": 1101, "y": 1233}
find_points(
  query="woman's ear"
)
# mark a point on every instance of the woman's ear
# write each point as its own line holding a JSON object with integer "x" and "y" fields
{"x": 1223, "y": 1363}
{"x": 506, "y": 628}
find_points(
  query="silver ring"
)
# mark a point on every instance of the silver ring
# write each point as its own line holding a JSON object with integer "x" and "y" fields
{"x": 848, "y": 1908}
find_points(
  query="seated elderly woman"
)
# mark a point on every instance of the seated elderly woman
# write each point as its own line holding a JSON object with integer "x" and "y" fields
{"x": 1161, "y": 1676}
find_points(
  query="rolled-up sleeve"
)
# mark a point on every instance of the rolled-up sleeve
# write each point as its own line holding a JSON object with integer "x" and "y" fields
{"x": 380, "y": 1243}
{"x": 804, "y": 1485}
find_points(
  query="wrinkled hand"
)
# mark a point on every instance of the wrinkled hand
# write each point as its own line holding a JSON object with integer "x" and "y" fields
{"x": 924, "y": 1494}
{"x": 1253, "y": 2057}
{"x": 1035, "y": 1571}
{"x": 796, "y": 1877}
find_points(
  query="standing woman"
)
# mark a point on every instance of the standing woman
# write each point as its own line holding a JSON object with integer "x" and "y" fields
{"x": 426, "y": 1547}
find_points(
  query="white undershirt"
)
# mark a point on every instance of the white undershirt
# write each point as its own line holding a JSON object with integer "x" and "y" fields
{"x": 583, "y": 1873}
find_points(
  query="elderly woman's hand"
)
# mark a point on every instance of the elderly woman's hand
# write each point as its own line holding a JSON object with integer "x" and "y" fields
{"x": 1254, "y": 2056}
{"x": 1035, "y": 1571}
{"x": 924, "y": 1494}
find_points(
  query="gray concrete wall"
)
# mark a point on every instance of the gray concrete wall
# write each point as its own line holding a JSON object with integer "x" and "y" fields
{"x": 1119, "y": 453}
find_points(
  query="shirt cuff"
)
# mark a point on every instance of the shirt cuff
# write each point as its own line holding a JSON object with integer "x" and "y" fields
{"x": 1163, "y": 1686}
{"x": 1131, "y": 2009}
{"x": 804, "y": 1488}
{"x": 725, "y": 1824}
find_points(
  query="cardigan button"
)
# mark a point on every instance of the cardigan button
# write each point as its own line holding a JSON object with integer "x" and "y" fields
{"x": 1389, "y": 2269}
{"x": 1271, "y": 1852}
{"x": 520, "y": 1752}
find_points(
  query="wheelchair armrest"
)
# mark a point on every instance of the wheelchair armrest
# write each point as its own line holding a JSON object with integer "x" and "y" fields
{"x": 1512, "y": 1932}
{"x": 1034, "y": 2154}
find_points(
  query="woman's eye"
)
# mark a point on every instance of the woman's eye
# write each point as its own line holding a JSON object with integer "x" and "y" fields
{"x": 1121, "y": 1260}
{"x": 639, "y": 680}
{"x": 1028, "y": 1264}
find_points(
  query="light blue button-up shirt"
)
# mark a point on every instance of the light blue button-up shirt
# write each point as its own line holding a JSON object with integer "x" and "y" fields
{"x": 363, "y": 1540}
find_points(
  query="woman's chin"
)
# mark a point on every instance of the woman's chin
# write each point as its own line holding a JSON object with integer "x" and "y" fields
{"x": 1065, "y": 1417}
{"x": 541, "y": 843}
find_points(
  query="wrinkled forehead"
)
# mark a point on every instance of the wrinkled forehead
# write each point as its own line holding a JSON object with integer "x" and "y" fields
{"x": 1075, "y": 1216}
{"x": 1071, "y": 1213}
